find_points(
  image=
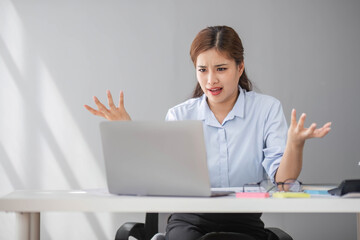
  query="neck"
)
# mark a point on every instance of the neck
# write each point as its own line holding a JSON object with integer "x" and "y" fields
{"x": 221, "y": 110}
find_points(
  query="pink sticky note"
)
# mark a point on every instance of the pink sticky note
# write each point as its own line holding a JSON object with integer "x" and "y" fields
{"x": 252, "y": 195}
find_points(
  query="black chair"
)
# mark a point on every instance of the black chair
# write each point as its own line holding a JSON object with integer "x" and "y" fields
{"x": 145, "y": 231}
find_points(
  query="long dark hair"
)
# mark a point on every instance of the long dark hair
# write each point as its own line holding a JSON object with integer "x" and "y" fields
{"x": 225, "y": 40}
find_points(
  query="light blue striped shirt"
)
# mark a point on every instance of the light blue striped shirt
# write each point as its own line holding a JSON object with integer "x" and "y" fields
{"x": 249, "y": 143}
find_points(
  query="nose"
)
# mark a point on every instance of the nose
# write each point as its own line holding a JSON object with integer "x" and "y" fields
{"x": 212, "y": 78}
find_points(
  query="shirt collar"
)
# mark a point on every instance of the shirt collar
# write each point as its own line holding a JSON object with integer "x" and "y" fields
{"x": 239, "y": 107}
{"x": 205, "y": 114}
{"x": 203, "y": 108}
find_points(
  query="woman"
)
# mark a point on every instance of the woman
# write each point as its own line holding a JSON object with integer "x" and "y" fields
{"x": 246, "y": 134}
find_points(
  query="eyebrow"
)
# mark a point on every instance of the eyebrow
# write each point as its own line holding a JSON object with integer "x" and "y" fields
{"x": 218, "y": 65}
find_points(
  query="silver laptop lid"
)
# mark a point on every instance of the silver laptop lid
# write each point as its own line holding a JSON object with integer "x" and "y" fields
{"x": 155, "y": 158}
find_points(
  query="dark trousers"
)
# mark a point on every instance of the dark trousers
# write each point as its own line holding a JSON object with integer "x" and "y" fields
{"x": 192, "y": 226}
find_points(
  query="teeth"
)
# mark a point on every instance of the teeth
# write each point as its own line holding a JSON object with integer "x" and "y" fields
{"x": 214, "y": 90}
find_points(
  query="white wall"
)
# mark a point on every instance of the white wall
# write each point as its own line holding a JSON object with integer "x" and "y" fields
{"x": 55, "y": 55}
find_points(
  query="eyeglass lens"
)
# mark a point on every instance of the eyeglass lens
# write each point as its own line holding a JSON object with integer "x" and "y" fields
{"x": 290, "y": 185}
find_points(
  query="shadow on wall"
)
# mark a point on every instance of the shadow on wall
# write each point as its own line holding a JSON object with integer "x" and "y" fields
{"x": 42, "y": 130}
{"x": 34, "y": 112}
{"x": 10, "y": 170}
{"x": 16, "y": 180}
{"x": 13, "y": 176}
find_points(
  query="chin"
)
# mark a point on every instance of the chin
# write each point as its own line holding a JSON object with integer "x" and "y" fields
{"x": 214, "y": 99}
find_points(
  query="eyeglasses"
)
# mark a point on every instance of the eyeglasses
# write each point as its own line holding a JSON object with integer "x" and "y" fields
{"x": 262, "y": 186}
{"x": 289, "y": 185}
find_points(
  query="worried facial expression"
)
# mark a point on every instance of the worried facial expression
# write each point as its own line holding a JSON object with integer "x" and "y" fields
{"x": 218, "y": 77}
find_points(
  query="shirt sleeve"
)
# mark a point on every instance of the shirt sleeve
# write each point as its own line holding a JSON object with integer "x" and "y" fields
{"x": 275, "y": 134}
{"x": 171, "y": 116}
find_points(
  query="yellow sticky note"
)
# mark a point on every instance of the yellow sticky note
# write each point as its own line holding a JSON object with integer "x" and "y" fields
{"x": 290, "y": 195}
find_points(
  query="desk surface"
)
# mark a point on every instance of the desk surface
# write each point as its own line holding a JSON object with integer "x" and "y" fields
{"x": 96, "y": 201}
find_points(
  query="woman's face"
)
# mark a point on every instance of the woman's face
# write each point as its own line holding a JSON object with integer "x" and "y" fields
{"x": 218, "y": 77}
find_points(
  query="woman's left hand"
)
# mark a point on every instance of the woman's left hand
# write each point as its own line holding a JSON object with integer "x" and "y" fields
{"x": 297, "y": 133}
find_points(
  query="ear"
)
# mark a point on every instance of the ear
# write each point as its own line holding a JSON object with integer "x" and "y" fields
{"x": 241, "y": 68}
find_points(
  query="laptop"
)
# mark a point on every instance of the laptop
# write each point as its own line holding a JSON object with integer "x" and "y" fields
{"x": 156, "y": 158}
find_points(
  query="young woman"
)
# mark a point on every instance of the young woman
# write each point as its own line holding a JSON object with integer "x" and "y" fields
{"x": 246, "y": 134}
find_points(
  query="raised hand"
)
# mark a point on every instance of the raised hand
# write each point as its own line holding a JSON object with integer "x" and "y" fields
{"x": 297, "y": 133}
{"x": 113, "y": 113}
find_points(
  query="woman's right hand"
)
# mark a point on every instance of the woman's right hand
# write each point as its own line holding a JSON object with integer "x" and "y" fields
{"x": 113, "y": 113}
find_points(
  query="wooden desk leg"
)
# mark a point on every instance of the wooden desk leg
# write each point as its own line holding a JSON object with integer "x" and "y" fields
{"x": 28, "y": 225}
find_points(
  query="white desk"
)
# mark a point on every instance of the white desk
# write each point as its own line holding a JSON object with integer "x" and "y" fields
{"x": 29, "y": 204}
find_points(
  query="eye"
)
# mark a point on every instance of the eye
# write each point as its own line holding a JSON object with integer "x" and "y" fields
{"x": 221, "y": 69}
{"x": 201, "y": 69}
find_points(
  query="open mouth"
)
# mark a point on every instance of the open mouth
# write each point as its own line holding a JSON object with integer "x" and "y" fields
{"x": 215, "y": 91}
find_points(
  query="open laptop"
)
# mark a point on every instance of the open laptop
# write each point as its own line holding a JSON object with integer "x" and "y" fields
{"x": 156, "y": 158}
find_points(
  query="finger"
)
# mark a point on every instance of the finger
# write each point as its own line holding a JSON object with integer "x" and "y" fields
{"x": 110, "y": 100}
{"x": 101, "y": 106}
{"x": 301, "y": 121}
{"x": 327, "y": 125}
{"x": 311, "y": 129}
{"x": 293, "y": 117}
{"x": 319, "y": 133}
{"x": 93, "y": 111}
{"x": 121, "y": 100}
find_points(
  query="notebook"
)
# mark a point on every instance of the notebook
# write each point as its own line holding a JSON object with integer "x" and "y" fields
{"x": 156, "y": 158}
